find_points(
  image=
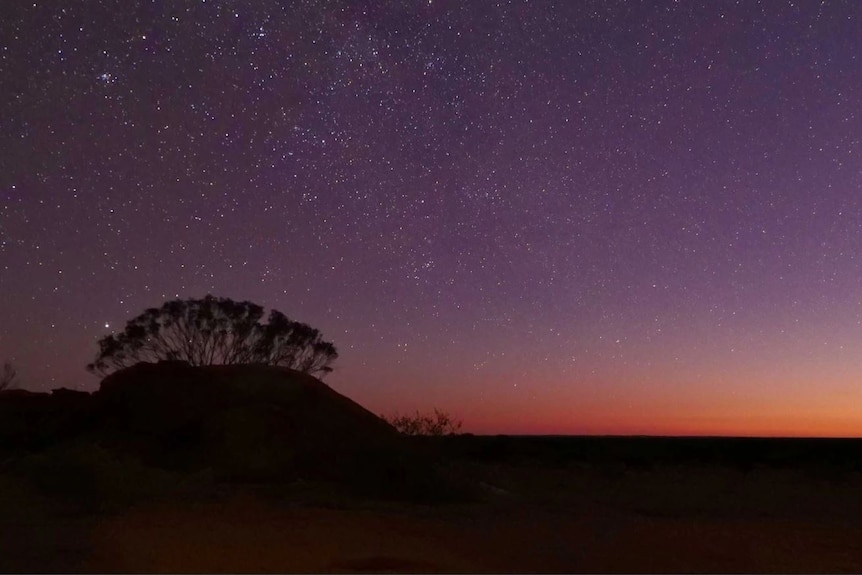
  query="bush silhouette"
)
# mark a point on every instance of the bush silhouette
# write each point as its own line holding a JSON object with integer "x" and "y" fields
{"x": 215, "y": 331}
{"x": 8, "y": 377}
{"x": 440, "y": 423}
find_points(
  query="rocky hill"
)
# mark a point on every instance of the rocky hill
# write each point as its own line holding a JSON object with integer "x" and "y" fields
{"x": 241, "y": 424}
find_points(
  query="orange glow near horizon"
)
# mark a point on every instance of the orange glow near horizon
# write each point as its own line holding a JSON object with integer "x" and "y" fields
{"x": 614, "y": 408}
{"x": 788, "y": 426}
{"x": 742, "y": 423}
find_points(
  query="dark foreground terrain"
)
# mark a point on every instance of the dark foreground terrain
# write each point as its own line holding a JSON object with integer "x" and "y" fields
{"x": 541, "y": 505}
{"x": 174, "y": 468}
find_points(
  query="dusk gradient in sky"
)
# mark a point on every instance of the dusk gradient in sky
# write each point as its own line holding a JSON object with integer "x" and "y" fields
{"x": 613, "y": 217}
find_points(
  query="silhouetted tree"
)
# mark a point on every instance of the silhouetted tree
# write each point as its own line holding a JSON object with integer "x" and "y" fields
{"x": 8, "y": 377}
{"x": 215, "y": 331}
{"x": 440, "y": 423}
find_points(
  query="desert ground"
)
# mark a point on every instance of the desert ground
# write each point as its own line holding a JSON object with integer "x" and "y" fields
{"x": 535, "y": 513}
{"x": 175, "y": 468}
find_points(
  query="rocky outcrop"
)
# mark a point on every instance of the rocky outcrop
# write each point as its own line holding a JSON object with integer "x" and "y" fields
{"x": 249, "y": 423}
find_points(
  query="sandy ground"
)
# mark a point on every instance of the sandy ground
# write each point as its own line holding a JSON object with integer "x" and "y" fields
{"x": 249, "y": 536}
{"x": 547, "y": 521}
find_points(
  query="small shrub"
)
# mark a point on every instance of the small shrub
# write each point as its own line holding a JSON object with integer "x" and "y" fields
{"x": 436, "y": 424}
{"x": 8, "y": 377}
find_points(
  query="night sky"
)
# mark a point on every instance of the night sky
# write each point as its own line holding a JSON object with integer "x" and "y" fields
{"x": 545, "y": 217}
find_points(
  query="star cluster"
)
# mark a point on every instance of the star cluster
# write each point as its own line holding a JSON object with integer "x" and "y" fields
{"x": 561, "y": 217}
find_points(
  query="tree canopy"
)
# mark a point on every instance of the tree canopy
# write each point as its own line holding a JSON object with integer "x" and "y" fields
{"x": 215, "y": 331}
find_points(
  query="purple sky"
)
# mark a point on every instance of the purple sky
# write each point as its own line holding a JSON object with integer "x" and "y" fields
{"x": 567, "y": 217}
